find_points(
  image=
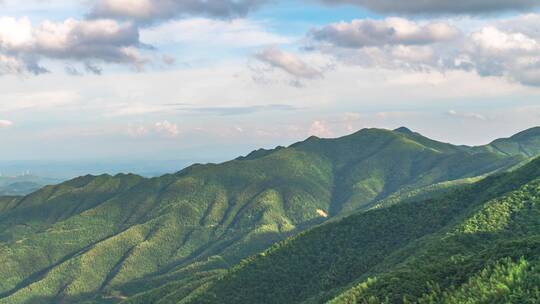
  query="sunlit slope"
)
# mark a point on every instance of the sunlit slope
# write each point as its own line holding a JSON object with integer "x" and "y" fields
{"x": 90, "y": 235}
{"x": 524, "y": 143}
{"x": 110, "y": 238}
{"x": 479, "y": 243}
{"x": 372, "y": 164}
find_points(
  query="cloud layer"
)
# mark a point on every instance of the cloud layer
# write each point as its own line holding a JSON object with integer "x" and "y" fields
{"x": 157, "y": 10}
{"x": 506, "y": 48}
{"x": 423, "y": 7}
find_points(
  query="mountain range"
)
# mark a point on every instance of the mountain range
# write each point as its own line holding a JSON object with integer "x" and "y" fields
{"x": 23, "y": 184}
{"x": 376, "y": 216}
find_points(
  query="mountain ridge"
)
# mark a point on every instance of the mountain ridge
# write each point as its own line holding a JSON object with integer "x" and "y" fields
{"x": 337, "y": 261}
{"x": 105, "y": 238}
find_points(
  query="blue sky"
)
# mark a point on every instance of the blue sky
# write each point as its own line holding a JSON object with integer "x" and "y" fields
{"x": 162, "y": 79}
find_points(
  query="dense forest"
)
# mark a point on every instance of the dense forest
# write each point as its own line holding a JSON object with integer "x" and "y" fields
{"x": 377, "y": 216}
{"x": 477, "y": 244}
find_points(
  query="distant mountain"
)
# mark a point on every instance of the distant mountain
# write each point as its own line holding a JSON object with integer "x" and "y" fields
{"x": 24, "y": 184}
{"x": 68, "y": 169}
{"x": 525, "y": 143}
{"x": 117, "y": 238}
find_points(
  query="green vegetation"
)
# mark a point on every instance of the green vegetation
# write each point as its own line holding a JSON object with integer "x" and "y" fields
{"x": 188, "y": 237}
{"x": 524, "y": 143}
{"x": 506, "y": 281}
{"x": 479, "y": 242}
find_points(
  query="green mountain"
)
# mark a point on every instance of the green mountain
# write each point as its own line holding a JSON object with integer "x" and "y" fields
{"x": 525, "y": 143}
{"x": 477, "y": 244}
{"x": 108, "y": 239}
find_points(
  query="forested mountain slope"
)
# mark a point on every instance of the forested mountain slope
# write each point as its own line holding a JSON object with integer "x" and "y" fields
{"x": 525, "y": 143}
{"x": 477, "y": 244}
{"x": 124, "y": 237}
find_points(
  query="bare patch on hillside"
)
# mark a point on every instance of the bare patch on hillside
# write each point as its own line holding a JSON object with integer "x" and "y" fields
{"x": 322, "y": 213}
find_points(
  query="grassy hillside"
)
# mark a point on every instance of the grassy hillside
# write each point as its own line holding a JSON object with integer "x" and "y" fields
{"x": 127, "y": 238}
{"x": 477, "y": 244}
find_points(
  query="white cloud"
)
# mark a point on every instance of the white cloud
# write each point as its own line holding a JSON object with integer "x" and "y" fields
{"x": 22, "y": 45}
{"x": 390, "y": 31}
{"x": 15, "y": 33}
{"x": 288, "y": 62}
{"x": 503, "y": 52}
{"x": 167, "y": 128}
{"x": 320, "y": 128}
{"x": 5, "y": 123}
{"x": 274, "y": 65}
{"x": 509, "y": 48}
{"x": 492, "y": 40}
{"x": 526, "y": 24}
{"x": 392, "y": 43}
{"x": 468, "y": 115}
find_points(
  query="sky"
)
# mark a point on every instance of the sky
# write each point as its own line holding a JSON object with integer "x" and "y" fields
{"x": 213, "y": 79}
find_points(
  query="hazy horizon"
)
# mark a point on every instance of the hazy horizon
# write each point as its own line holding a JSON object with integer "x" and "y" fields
{"x": 167, "y": 80}
{"x": 68, "y": 168}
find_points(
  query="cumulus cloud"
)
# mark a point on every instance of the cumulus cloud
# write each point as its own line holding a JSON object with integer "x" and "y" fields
{"x": 22, "y": 45}
{"x": 506, "y": 48}
{"x": 390, "y": 31}
{"x": 505, "y": 52}
{"x": 526, "y": 24}
{"x": 320, "y": 128}
{"x": 156, "y": 10}
{"x": 166, "y": 128}
{"x": 423, "y": 7}
{"x": 389, "y": 43}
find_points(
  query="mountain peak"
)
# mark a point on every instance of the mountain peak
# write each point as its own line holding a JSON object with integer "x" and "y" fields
{"x": 532, "y": 132}
{"x": 404, "y": 130}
